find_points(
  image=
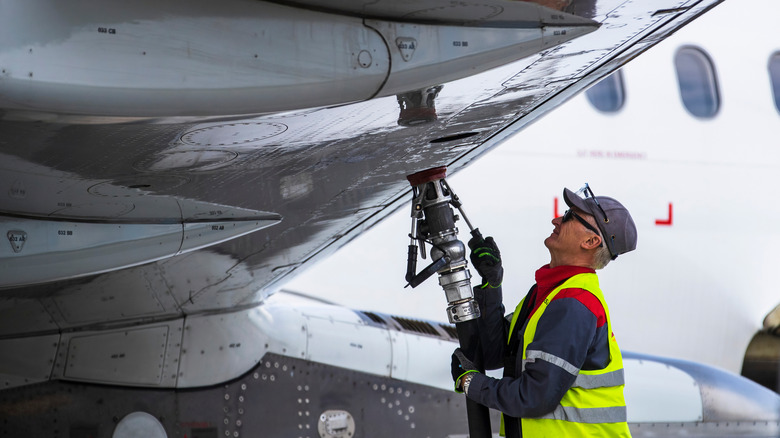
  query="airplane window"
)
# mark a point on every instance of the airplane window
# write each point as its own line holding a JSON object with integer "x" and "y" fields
{"x": 608, "y": 94}
{"x": 698, "y": 84}
{"x": 774, "y": 76}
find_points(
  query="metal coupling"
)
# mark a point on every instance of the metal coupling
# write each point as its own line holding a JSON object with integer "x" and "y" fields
{"x": 464, "y": 311}
{"x": 456, "y": 285}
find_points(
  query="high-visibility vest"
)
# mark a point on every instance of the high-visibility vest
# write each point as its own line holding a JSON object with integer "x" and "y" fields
{"x": 594, "y": 406}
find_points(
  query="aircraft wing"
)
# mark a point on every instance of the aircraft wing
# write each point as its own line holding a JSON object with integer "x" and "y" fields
{"x": 171, "y": 158}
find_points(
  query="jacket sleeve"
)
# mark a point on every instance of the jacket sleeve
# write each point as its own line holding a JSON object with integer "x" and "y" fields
{"x": 554, "y": 358}
{"x": 492, "y": 325}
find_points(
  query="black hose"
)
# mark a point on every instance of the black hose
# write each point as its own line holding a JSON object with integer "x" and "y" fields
{"x": 478, "y": 415}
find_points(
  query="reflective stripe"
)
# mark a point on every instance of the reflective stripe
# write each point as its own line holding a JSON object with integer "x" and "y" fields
{"x": 513, "y": 321}
{"x": 590, "y": 381}
{"x": 532, "y": 355}
{"x": 614, "y": 414}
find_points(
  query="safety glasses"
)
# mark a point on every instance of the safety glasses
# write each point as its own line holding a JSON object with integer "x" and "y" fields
{"x": 569, "y": 214}
{"x": 586, "y": 193}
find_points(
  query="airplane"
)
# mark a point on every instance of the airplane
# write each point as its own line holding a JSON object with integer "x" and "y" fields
{"x": 166, "y": 167}
{"x": 687, "y": 177}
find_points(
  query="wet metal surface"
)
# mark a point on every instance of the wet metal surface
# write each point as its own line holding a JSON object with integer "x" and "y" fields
{"x": 329, "y": 173}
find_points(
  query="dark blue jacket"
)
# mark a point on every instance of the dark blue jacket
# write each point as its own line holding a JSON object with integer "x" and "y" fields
{"x": 572, "y": 330}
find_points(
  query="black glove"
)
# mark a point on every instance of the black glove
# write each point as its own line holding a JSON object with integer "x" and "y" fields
{"x": 461, "y": 366}
{"x": 486, "y": 259}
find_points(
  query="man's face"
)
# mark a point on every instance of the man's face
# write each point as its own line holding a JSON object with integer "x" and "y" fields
{"x": 567, "y": 237}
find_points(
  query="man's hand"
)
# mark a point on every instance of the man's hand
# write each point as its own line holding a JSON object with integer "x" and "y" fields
{"x": 486, "y": 259}
{"x": 462, "y": 368}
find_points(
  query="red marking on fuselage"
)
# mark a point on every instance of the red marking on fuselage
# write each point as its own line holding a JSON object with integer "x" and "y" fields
{"x": 195, "y": 424}
{"x": 555, "y": 208}
{"x": 665, "y": 221}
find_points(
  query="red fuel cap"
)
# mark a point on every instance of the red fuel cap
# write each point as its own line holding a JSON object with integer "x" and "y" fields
{"x": 425, "y": 176}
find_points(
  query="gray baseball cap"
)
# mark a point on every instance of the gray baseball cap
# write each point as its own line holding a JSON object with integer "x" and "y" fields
{"x": 614, "y": 221}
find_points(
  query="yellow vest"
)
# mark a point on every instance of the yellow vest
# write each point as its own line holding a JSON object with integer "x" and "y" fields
{"x": 594, "y": 405}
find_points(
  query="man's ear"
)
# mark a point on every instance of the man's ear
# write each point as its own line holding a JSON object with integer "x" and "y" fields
{"x": 593, "y": 242}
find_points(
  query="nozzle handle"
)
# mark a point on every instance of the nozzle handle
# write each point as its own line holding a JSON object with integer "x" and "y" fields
{"x": 411, "y": 263}
{"x": 428, "y": 271}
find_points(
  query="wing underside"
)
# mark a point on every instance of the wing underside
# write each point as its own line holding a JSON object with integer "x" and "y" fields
{"x": 151, "y": 125}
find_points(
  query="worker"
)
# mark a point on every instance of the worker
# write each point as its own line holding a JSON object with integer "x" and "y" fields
{"x": 563, "y": 371}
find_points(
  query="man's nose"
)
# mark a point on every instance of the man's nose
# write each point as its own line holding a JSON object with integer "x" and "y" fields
{"x": 557, "y": 220}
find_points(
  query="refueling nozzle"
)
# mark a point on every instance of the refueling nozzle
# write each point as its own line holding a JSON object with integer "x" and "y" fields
{"x": 433, "y": 222}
